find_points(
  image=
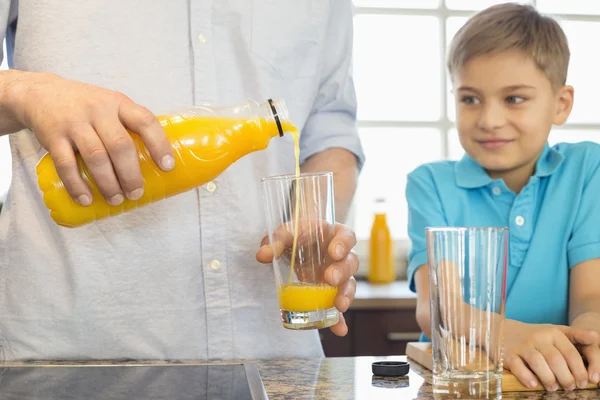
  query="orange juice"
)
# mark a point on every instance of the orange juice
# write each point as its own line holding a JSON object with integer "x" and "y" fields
{"x": 381, "y": 255}
{"x": 204, "y": 146}
{"x": 302, "y": 297}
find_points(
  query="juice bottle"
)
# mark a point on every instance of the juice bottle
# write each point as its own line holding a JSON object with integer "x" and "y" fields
{"x": 206, "y": 140}
{"x": 382, "y": 268}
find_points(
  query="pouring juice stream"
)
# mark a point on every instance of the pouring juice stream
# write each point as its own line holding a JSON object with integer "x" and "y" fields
{"x": 302, "y": 297}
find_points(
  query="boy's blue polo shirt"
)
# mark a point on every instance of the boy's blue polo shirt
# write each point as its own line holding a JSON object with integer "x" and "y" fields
{"x": 554, "y": 223}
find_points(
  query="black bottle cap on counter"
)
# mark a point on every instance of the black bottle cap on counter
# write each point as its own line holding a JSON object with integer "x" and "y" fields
{"x": 390, "y": 368}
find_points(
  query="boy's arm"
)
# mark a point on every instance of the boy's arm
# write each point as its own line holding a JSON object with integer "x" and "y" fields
{"x": 424, "y": 210}
{"x": 421, "y": 278}
{"x": 583, "y": 253}
{"x": 584, "y": 308}
{"x": 545, "y": 342}
{"x": 584, "y": 295}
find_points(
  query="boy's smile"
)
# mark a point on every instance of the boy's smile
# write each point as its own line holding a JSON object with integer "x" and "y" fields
{"x": 505, "y": 108}
{"x": 493, "y": 143}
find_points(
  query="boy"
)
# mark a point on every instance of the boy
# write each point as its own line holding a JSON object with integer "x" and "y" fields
{"x": 508, "y": 66}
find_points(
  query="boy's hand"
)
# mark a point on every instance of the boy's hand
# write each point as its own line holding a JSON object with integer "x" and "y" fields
{"x": 548, "y": 352}
{"x": 592, "y": 354}
{"x": 590, "y": 320}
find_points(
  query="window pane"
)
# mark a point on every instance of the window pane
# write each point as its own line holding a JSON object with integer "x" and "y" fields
{"x": 569, "y": 7}
{"x": 478, "y": 4}
{"x": 391, "y": 154}
{"x": 455, "y": 150}
{"x": 453, "y": 24}
{"x": 573, "y": 136}
{"x": 5, "y": 166}
{"x": 392, "y": 82}
{"x": 583, "y": 69}
{"x": 398, "y": 3}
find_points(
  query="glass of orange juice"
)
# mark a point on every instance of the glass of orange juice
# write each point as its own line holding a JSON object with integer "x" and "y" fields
{"x": 300, "y": 220}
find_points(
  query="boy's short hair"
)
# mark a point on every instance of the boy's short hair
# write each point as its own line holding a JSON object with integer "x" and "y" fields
{"x": 512, "y": 26}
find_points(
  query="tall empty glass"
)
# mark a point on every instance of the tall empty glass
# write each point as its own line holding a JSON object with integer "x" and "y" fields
{"x": 467, "y": 281}
{"x": 303, "y": 209}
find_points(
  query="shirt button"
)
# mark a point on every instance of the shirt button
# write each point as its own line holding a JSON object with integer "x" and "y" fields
{"x": 519, "y": 220}
{"x": 496, "y": 190}
{"x": 201, "y": 38}
{"x": 214, "y": 265}
{"x": 211, "y": 186}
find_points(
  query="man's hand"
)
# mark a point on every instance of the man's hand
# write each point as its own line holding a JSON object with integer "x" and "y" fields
{"x": 68, "y": 116}
{"x": 340, "y": 266}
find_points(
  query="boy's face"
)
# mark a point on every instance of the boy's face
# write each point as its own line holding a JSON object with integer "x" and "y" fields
{"x": 505, "y": 107}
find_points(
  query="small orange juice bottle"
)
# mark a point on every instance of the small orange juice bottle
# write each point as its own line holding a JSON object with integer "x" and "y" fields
{"x": 382, "y": 268}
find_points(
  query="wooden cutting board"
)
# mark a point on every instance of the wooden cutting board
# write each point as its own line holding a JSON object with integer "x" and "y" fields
{"x": 421, "y": 353}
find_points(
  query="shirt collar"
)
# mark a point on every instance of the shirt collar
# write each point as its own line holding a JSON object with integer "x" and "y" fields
{"x": 470, "y": 175}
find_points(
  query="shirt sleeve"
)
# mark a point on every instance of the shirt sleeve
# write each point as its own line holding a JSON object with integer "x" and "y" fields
{"x": 332, "y": 121}
{"x": 424, "y": 210}
{"x": 584, "y": 243}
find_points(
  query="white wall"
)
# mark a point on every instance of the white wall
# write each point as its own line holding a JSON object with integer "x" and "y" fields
{"x": 5, "y": 158}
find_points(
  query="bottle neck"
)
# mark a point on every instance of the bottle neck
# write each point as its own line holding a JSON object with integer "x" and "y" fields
{"x": 275, "y": 114}
{"x": 380, "y": 217}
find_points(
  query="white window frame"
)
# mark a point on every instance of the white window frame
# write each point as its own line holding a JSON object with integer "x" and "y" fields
{"x": 444, "y": 124}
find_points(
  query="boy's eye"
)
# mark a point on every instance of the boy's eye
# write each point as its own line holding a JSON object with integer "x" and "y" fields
{"x": 469, "y": 100}
{"x": 515, "y": 99}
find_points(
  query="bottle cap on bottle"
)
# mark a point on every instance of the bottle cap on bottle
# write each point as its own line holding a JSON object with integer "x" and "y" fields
{"x": 276, "y": 116}
{"x": 380, "y": 206}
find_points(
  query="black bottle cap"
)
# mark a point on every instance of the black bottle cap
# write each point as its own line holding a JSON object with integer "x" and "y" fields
{"x": 390, "y": 368}
{"x": 274, "y": 111}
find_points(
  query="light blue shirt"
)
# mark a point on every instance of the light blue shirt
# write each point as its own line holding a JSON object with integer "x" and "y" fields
{"x": 554, "y": 222}
{"x": 177, "y": 278}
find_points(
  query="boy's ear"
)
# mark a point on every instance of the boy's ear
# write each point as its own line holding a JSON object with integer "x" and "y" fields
{"x": 564, "y": 104}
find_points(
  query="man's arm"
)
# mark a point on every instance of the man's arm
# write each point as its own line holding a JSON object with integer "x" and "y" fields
{"x": 329, "y": 140}
{"x": 344, "y": 166}
{"x": 11, "y": 85}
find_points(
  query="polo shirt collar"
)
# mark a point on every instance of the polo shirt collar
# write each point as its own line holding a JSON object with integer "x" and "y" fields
{"x": 470, "y": 175}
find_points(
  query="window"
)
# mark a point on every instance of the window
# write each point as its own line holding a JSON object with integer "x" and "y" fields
{"x": 405, "y": 108}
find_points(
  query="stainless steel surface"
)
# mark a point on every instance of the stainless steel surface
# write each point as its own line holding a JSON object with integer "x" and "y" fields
{"x": 132, "y": 382}
{"x": 257, "y": 389}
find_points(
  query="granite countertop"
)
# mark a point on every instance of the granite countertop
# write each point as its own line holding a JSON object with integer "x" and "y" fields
{"x": 351, "y": 378}
{"x": 395, "y": 295}
{"x": 340, "y": 379}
